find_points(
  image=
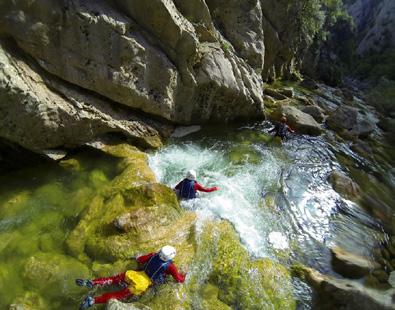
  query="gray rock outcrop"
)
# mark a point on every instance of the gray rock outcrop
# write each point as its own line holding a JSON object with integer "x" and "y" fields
{"x": 38, "y": 118}
{"x": 298, "y": 120}
{"x": 143, "y": 54}
{"x": 375, "y": 24}
{"x": 349, "y": 123}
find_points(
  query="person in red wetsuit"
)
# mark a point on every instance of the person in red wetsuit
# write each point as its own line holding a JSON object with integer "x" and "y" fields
{"x": 188, "y": 187}
{"x": 156, "y": 267}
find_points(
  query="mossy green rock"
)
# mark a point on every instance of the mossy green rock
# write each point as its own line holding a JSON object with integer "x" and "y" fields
{"x": 260, "y": 284}
{"x": 55, "y": 274}
{"x": 9, "y": 282}
{"x": 223, "y": 276}
{"x": 29, "y": 301}
{"x": 133, "y": 214}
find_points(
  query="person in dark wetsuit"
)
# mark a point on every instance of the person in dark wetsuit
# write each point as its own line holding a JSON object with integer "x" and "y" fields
{"x": 188, "y": 187}
{"x": 156, "y": 267}
{"x": 281, "y": 128}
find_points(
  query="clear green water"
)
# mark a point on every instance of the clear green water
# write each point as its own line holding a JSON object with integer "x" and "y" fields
{"x": 39, "y": 206}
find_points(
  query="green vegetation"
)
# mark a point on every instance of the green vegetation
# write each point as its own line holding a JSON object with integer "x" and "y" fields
{"x": 383, "y": 97}
{"x": 377, "y": 65}
{"x": 225, "y": 46}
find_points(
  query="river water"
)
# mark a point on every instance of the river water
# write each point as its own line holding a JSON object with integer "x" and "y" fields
{"x": 276, "y": 196}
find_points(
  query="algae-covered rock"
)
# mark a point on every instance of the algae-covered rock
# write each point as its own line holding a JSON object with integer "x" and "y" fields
{"x": 133, "y": 166}
{"x": 118, "y": 305}
{"x": 210, "y": 300}
{"x": 29, "y": 301}
{"x": 148, "y": 213}
{"x": 244, "y": 153}
{"x": 71, "y": 163}
{"x": 9, "y": 282}
{"x": 55, "y": 274}
{"x": 97, "y": 178}
{"x": 245, "y": 283}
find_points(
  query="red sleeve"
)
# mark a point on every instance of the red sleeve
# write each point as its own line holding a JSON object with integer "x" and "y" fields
{"x": 199, "y": 187}
{"x": 144, "y": 258}
{"x": 172, "y": 270}
{"x": 290, "y": 129}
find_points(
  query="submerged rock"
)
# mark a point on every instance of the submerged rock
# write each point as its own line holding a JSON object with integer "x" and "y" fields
{"x": 345, "y": 294}
{"x": 351, "y": 265}
{"x": 29, "y": 301}
{"x": 55, "y": 274}
{"x": 344, "y": 185}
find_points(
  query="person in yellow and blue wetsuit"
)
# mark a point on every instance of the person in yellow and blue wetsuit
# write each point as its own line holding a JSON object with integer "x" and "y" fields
{"x": 156, "y": 267}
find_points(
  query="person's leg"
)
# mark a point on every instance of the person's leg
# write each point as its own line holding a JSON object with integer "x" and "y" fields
{"x": 114, "y": 280}
{"x": 125, "y": 293}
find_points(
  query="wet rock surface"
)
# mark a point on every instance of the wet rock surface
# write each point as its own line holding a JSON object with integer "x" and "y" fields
{"x": 344, "y": 185}
{"x": 351, "y": 265}
{"x": 338, "y": 293}
{"x": 298, "y": 120}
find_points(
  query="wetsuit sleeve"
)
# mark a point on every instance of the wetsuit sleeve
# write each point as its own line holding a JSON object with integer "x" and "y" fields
{"x": 144, "y": 258}
{"x": 290, "y": 129}
{"x": 178, "y": 185}
{"x": 199, "y": 187}
{"x": 172, "y": 270}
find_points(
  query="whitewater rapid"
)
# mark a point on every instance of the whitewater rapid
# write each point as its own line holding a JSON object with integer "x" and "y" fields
{"x": 282, "y": 201}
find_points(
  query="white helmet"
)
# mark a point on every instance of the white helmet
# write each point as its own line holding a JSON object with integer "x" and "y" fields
{"x": 167, "y": 253}
{"x": 191, "y": 175}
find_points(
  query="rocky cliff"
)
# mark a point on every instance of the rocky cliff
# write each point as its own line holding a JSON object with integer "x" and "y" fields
{"x": 375, "y": 24}
{"x": 73, "y": 70}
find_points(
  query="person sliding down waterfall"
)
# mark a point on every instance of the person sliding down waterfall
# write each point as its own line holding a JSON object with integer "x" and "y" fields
{"x": 188, "y": 187}
{"x": 281, "y": 128}
{"x": 156, "y": 267}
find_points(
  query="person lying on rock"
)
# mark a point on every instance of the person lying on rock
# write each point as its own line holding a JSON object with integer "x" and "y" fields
{"x": 188, "y": 187}
{"x": 281, "y": 128}
{"x": 156, "y": 267}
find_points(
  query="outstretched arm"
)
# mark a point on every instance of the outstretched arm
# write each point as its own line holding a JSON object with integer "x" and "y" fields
{"x": 172, "y": 270}
{"x": 200, "y": 188}
{"x": 290, "y": 129}
{"x": 144, "y": 258}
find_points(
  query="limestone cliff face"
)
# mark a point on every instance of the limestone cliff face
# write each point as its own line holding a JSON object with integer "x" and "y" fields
{"x": 187, "y": 62}
{"x": 375, "y": 24}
